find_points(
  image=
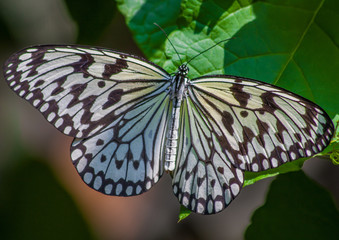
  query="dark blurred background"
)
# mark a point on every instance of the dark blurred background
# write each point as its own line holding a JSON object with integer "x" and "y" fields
{"x": 42, "y": 196}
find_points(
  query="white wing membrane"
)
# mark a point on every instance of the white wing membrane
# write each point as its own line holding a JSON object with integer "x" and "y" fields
{"x": 260, "y": 126}
{"x": 82, "y": 90}
{"x": 126, "y": 158}
{"x": 204, "y": 180}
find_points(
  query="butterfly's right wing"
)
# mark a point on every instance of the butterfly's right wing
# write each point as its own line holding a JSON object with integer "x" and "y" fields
{"x": 115, "y": 104}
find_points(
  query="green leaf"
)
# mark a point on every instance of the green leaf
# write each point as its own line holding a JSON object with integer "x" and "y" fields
{"x": 336, "y": 125}
{"x": 335, "y": 157}
{"x": 92, "y": 17}
{"x": 252, "y": 177}
{"x": 296, "y": 208}
{"x": 184, "y": 213}
{"x": 333, "y": 149}
{"x": 293, "y": 44}
{"x": 141, "y": 16}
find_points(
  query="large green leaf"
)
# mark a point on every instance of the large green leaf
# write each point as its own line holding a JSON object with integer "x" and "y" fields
{"x": 295, "y": 208}
{"x": 292, "y": 44}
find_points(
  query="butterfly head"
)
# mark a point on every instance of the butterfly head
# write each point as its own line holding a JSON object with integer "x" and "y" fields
{"x": 183, "y": 70}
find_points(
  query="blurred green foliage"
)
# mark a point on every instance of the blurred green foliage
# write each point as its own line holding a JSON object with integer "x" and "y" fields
{"x": 33, "y": 204}
{"x": 92, "y": 18}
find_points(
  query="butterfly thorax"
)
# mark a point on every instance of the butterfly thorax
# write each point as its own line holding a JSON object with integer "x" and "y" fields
{"x": 178, "y": 88}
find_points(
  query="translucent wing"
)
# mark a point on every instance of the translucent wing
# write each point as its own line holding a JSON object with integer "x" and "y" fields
{"x": 116, "y": 103}
{"x": 126, "y": 158}
{"x": 204, "y": 180}
{"x": 81, "y": 90}
{"x": 258, "y": 125}
{"x": 231, "y": 124}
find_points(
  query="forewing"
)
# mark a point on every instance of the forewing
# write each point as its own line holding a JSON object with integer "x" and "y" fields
{"x": 81, "y": 90}
{"x": 260, "y": 126}
{"x": 126, "y": 158}
{"x": 204, "y": 180}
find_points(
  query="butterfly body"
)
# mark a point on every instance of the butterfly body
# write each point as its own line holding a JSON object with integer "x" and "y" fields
{"x": 132, "y": 121}
{"x": 178, "y": 92}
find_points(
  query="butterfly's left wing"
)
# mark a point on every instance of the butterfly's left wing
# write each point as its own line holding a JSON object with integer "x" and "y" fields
{"x": 231, "y": 124}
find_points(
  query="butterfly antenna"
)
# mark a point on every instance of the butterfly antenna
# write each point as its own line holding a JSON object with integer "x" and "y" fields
{"x": 168, "y": 40}
{"x": 208, "y": 49}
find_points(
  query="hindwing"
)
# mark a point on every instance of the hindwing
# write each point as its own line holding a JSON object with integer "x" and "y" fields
{"x": 126, "y": 158}
{"x": 204, "y": 181}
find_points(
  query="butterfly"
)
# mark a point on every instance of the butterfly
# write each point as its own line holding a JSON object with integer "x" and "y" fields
{"x": 132, "y": 121}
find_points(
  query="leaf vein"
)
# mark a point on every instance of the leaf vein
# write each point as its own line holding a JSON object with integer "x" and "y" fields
{"x": 312, "y": 20}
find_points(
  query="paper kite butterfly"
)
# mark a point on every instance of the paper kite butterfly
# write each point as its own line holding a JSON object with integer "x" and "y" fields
{"x": 132, "y": 121}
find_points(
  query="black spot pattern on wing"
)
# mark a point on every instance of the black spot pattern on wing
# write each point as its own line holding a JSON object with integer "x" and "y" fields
{"x": 113, "y": 98}
{"x": 241, "y": 96}
{"x": 111, "y": 69}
